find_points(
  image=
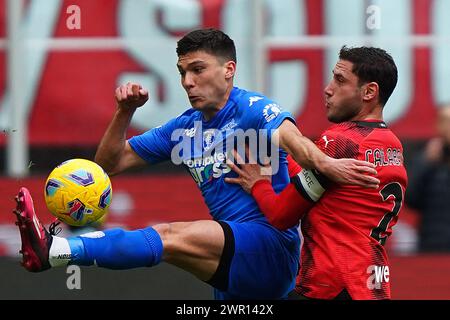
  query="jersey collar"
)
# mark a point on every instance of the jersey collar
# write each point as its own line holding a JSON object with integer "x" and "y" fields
{"x": 372, "y": 124}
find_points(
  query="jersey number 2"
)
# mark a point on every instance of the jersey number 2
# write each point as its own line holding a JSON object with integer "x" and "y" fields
{"x": 393, "y": 189}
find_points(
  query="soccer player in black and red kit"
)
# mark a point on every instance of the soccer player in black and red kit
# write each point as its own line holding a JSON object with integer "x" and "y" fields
{"x": 344, "y": 227}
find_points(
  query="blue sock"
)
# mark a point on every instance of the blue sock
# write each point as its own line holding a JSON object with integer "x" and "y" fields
{"x": 117, "y": 249}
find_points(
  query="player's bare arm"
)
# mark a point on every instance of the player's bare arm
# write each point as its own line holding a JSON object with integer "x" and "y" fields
{"x": 308, "y": 155}
{"x": 114, "y": 153}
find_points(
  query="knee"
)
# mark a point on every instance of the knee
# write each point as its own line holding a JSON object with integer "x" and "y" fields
{"x": 173, "y": 237}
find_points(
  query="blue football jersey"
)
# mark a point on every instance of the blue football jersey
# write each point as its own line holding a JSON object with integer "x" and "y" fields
{"x": 202, "y": 146}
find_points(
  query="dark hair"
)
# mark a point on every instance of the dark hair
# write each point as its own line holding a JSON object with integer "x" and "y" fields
{"x": 373, "y": 65}
{"x": 211, "y": 41}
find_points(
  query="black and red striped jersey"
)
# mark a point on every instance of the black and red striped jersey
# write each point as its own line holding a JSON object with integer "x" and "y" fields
{"x": 345, "y": 231}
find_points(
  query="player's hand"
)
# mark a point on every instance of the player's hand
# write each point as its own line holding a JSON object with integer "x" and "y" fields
{"x": 131, "y": 96}
{"x": 249, "y": 173}
{"x": 351, "y": 171}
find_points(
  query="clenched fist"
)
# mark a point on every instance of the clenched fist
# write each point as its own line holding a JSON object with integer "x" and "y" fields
{"x": 131, "y": 96}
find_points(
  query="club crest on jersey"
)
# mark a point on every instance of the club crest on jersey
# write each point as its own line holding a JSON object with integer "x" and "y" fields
{"x": 209, "y": 137}
{"x": 271, "y": 111}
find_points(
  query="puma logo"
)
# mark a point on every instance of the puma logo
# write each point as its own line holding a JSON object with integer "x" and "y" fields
{"x": 326, "y": 140}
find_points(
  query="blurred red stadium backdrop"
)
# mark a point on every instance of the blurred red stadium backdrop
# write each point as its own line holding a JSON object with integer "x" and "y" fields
{"x": 69, "y": 90}
{"x": 73, "y": 99}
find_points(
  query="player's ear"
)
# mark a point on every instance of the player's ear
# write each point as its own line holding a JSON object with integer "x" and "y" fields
{"x": 371, "y": 91}
{"x": 230, "y": 69}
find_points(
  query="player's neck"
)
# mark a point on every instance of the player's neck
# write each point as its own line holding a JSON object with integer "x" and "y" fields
{"x": 209, "y": 113}
{"x": 369, "y": 114}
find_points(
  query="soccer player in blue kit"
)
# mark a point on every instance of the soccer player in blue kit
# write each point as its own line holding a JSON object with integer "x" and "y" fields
{"x": 237, "y": 252}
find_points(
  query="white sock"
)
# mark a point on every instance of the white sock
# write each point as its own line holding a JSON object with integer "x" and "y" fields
{"x": 60, "y": 253}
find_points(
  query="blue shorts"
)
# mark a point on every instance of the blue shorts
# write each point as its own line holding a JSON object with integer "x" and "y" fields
{"x": 264, "y": 262}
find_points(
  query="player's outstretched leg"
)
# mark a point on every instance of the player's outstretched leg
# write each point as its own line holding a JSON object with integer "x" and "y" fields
{"x": 112, "y": 249}
{"x": 36, "y": 240}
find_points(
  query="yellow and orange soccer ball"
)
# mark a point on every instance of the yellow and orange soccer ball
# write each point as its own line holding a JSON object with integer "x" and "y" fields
{"x": 78, "y": 192}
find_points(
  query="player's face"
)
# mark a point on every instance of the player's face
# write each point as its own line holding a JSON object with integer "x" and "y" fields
{"x": 207, "y": 80}
{"x": 343, "y": 97}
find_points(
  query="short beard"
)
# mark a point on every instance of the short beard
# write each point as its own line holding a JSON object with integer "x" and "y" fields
{"x": 343, "y": 117}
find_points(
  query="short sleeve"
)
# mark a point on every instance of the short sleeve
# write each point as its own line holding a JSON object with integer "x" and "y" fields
{"x": 264, "y": 114}
{"x": 155, "y": 145}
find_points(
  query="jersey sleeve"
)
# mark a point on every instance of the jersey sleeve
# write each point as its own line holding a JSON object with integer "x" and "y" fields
{"x": 293, "y": 167}
{"x": 282, "y": 210}
{"x": 155, "y": 145}
{"x": 263, "y": 114}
